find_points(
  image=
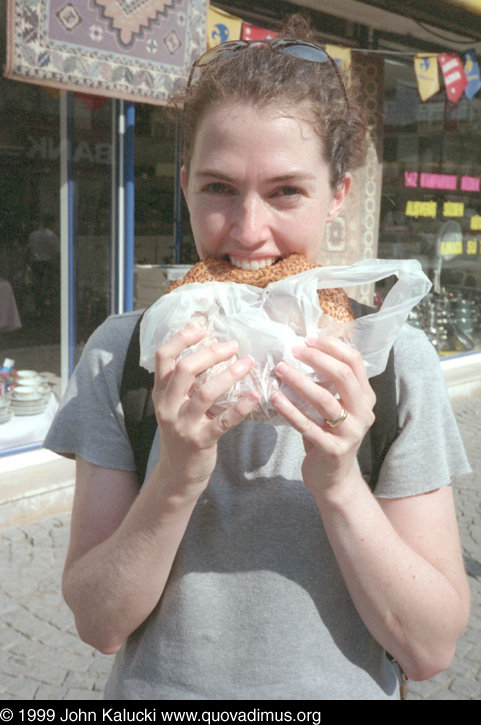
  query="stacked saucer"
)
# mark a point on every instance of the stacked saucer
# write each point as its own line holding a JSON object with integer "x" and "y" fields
{"x": 30, "y": 395}
{"x": 28, "y": 401}
{"x": 5, "y": 411}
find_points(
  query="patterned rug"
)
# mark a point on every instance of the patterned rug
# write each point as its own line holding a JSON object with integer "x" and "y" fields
{"x": 138, "y": 50}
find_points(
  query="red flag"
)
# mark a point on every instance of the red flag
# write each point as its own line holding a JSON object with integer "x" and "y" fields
{"x": 454, "y": 76}
{"x": 91, "y": 101}
{"x": 254, "y": 32}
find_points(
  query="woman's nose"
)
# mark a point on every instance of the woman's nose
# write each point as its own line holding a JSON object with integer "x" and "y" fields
{"x": 250, "y": 225}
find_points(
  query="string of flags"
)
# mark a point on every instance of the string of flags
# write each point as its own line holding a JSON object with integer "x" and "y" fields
{"x": 222, "y": 26}
{"x": 460, "y": 73}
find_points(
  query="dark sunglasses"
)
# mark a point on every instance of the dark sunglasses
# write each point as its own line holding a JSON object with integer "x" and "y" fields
{"x": 301, "y": 49}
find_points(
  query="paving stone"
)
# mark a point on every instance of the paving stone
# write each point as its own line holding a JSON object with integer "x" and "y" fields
{"x": 466, "y": 689}
{"x": 81, "y": 694}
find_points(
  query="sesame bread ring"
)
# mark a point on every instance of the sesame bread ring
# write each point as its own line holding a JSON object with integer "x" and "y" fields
{"x": 333, "y": 302}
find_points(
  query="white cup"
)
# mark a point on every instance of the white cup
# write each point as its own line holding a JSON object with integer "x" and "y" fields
{"x": 28, "y": 382}
{"x": 24, "y": 375}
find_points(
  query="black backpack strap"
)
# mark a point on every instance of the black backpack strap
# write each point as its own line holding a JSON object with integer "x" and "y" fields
{"x": 384, "y": 430}
{"x": 136, "y": 399}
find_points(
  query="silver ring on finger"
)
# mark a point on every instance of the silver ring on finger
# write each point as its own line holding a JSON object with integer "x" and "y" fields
{"x": 337, "y": 421}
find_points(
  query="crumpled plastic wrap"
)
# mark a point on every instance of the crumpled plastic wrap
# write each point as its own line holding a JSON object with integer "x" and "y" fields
{"x": 268, "y": 323}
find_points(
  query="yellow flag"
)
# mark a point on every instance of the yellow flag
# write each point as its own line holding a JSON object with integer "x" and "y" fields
{"x": 221, "y": 27}
{"x": 427, "y": 75}
{"x": 54, "y": 92}
{"x": 473, "y": 6}
{"x": 342, "y": 56}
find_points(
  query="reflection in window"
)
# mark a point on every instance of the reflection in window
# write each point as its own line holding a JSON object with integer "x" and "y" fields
{"x": 430, "y": 201}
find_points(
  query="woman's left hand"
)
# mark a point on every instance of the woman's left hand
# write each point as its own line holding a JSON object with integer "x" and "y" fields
{"x": 400, "y": 557}
{"x": 330, "y": 450}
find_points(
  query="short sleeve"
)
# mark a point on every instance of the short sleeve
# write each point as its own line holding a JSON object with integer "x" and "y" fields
{"x": 90, "y": 421}
{"x": 428, "y": 451}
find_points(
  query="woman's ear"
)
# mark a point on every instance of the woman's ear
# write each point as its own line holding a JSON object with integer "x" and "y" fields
{"x": 339, "y": 197}
{"x": 183, "y": 180}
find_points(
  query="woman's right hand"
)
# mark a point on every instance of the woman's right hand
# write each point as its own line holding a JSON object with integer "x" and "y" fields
{"x": 124, "y": 541}
{"x": 188, "y": 435}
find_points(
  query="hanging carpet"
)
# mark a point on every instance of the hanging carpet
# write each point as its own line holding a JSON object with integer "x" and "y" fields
{"x": 138, "y": 50}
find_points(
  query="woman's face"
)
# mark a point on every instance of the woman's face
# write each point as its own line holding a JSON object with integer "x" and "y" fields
{"x": 258, "y": 187}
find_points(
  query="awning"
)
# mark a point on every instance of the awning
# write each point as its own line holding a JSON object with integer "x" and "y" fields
{"x": 442, "y": 22}
{"x": 474, "y": 6}
{"x": 452, "y": 16}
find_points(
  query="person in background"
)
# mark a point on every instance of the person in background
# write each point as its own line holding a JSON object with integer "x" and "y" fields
{"x": 255, "y": 563}
{"x": 43, "y": 258}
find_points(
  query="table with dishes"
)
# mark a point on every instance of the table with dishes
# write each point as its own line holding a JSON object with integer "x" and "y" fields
{"x": 27, "y": 409}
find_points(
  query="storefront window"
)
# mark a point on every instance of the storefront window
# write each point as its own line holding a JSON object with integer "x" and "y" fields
{"x": 30, "y": 320}
{"x": 29, "y": 258}
{"x": 92, "y": 213}
{"x": 163, "y": 239}
{"x": 431, "y": 205}
{"x": 30, "y": 248}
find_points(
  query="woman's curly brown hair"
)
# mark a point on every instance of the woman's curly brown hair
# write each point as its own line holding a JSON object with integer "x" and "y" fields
{"x": 263, "y": 78}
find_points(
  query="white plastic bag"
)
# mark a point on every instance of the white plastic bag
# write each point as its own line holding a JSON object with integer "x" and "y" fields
{"x": 268, "y": 323}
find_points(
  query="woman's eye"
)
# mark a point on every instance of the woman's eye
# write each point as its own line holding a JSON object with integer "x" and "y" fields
{"x": 288, "y": 191}
{"x": 217, "y": 187}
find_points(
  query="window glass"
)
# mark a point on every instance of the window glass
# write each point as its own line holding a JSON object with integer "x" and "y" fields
{"x": 157, "y": 260}
{"x": 431, "y": 204}
{"x": 92, "y": 165}
{"x": 29, "y": 260}
{"x": 30, "y": 284}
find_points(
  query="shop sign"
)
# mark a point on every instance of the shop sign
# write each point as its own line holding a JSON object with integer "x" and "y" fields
{"x": 438, "y": 181}
{"x": 453, "y": 209}
{"x": 470, "y": 183}
{"x": 47, "y": 148}
{"x": 411, "y": 179}
{"x": 472, "y": 246}
{"x": 421, "y": 209}
{"x": 458, "y": 247}
{"x": 447, "y": 182}
{"x": 451, "y": 248}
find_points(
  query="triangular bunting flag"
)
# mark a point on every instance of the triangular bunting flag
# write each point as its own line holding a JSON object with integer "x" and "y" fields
{"x": 342, "y": 56}
{"x": 94, "y": 103}
{"x": 221, "y": 27}
{"x": 454, "y": 76}
{"x": 254, "y": 32}
{"x": 53, "y": 92}
{"x": 427, "y": 75}
{"x": 471, "y": 68}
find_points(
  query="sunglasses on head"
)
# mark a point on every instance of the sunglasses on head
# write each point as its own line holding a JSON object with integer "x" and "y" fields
{"x": 301, "y": 49}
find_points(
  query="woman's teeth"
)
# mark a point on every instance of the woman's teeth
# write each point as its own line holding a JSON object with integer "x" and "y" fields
{"x": 252, "y": 264}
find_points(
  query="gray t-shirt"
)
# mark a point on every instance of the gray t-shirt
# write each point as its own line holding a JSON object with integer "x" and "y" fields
{"x": 255, "y": 607}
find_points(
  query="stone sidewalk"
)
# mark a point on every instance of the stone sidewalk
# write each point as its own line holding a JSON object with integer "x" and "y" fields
{"x": 43, "y": 659}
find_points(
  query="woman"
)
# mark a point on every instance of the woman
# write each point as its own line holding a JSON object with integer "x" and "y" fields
{"x": 255, "y": 563}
